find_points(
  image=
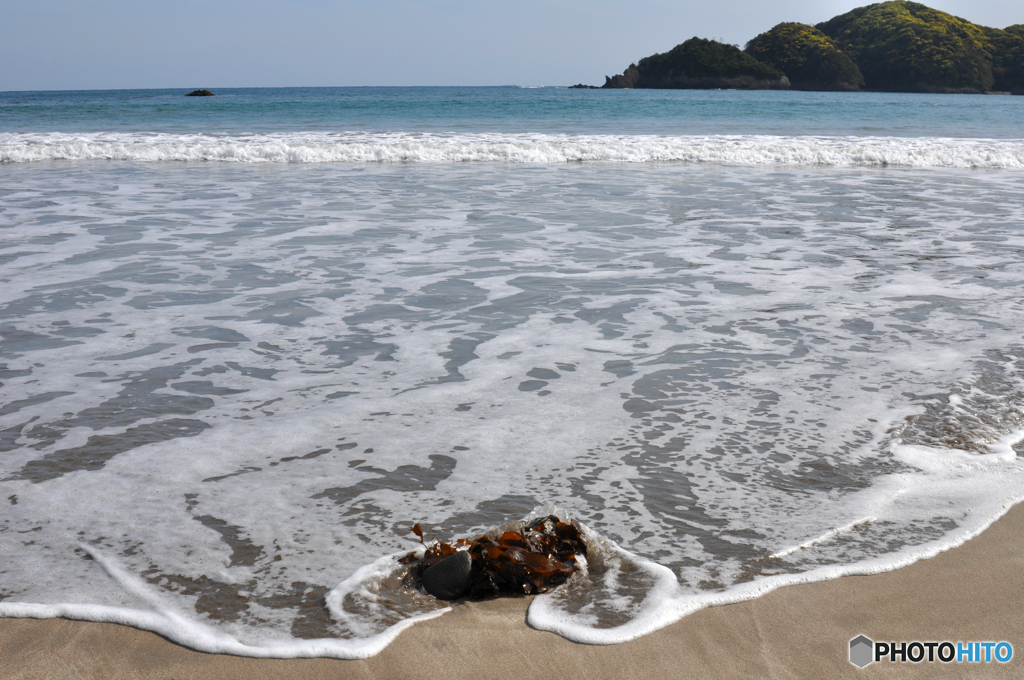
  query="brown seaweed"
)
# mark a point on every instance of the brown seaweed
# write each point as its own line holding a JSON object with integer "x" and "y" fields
{"x": 535, "y": 560}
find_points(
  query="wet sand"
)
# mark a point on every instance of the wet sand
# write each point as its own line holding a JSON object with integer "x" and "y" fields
{"x": 974, "y": 592}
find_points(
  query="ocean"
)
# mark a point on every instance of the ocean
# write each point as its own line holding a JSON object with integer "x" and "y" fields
{"x": 745, "y": 339}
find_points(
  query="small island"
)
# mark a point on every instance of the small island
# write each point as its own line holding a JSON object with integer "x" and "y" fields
{"x": 896, "y": 46}
{"x": 199, "y": 93}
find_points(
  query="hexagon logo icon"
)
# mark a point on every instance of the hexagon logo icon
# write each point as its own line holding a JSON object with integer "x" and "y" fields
{"x": 861, "y": 651}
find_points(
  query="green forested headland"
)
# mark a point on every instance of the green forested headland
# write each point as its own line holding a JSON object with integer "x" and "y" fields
{"x": 1007, "y": 57}
{"x": 701, "y": 64}
{"x": 896, "y": 46}
{"x": 907, "y": 46}
{"x": 807, "y": 56}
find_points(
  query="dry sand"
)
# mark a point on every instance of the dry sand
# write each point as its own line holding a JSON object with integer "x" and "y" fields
{"x": 975, "y": 592}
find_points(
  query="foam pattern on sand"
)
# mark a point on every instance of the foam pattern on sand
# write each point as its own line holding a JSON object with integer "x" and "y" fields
{"x": 363, "y": 147}
{"x": 969, "y": 490}
{"x": 240, "y": 385}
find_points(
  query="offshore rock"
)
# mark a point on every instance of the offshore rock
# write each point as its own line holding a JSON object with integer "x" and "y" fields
{"x": 581, "y": 86}
{"x": 199, "y": 93}
{"x": 449, "y": 578}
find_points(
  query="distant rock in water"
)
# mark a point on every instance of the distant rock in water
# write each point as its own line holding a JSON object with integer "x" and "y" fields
{"x": 807, "y": 56}
{"x": 581, "y": 86}
{"x": 703, "y": 65}
{"x": 199, "y": 93}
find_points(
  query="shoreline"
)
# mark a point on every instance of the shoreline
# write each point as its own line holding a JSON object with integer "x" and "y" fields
{"x": 968, "y": 593}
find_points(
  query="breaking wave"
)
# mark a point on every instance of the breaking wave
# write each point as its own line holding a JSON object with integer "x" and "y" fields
{"x": 747, "y": 150}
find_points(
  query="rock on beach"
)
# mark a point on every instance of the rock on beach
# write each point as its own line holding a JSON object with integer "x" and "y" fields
{"x": 449, "y": 578}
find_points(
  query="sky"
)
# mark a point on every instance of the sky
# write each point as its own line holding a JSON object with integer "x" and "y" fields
{"x": 114, "y": 44}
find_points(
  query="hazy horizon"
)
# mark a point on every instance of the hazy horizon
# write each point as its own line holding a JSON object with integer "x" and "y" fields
{"x": 60, "y": 45}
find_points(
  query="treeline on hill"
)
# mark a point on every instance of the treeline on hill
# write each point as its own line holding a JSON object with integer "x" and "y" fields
{"x": 896, "y": 46}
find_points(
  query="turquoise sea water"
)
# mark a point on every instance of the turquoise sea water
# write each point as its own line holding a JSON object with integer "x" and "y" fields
{"x": 512, "y": 109}
{"x": 746, "y": 338}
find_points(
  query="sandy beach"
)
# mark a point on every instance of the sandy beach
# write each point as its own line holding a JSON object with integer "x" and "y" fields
{"x": 971, "y": 593}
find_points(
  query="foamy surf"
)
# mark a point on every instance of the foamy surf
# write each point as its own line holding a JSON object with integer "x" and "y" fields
{"x": 185, "y": 630}
{"x": 617, "y": 597}
{"x": 360, "y": 147}
{"x": 983, "y": 487}
{"x": 241, "y": 385}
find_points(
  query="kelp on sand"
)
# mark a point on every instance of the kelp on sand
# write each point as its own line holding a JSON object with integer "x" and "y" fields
{"x": 536, "y": 559}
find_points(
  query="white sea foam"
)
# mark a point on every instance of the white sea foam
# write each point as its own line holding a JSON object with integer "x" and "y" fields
{"x": 240, "y": 385}
{"x": 358, "y": 147}
{"x": 831, "y": 533}
{"x": 978, "y": 490}
{"x": 192, "y": 633}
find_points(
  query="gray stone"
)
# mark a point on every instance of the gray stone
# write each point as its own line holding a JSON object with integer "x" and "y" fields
{"x": 449, "y": 578}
